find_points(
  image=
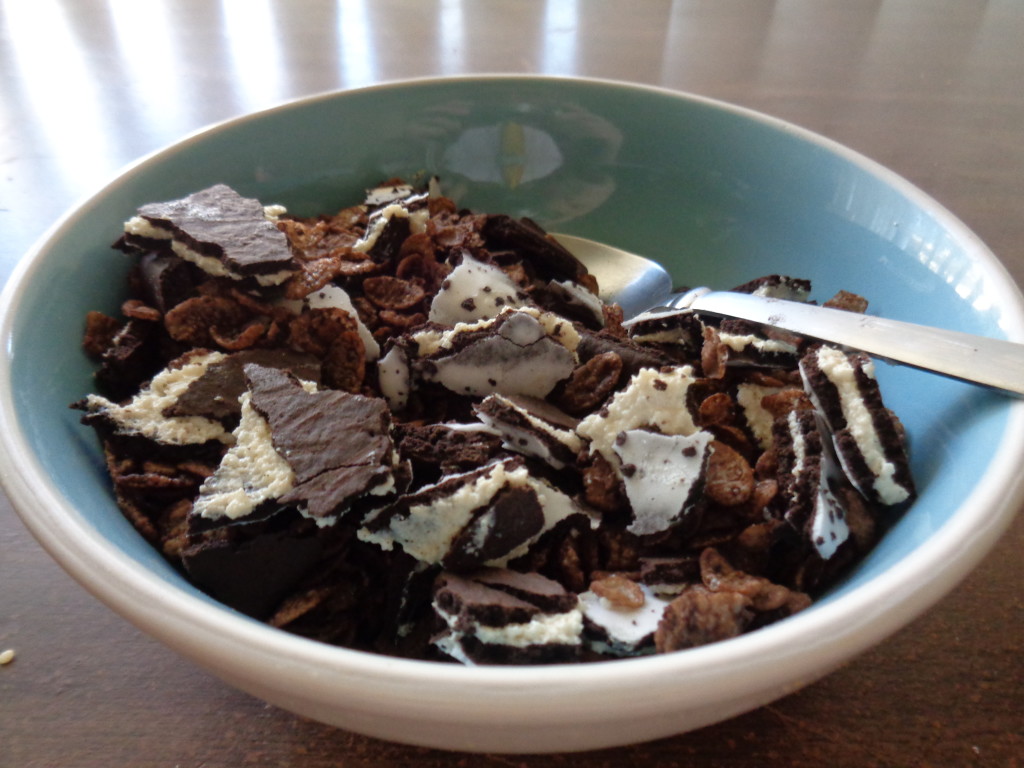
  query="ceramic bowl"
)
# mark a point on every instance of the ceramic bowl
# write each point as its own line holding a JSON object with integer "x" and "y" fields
{"x": 719, "y": 194}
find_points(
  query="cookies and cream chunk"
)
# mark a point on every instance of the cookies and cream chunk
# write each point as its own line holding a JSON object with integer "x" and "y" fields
{"x": 145, "y": 413}
{"x": 653, "y": 399}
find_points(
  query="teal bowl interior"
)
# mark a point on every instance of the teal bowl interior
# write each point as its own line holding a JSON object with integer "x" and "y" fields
{"x": 718, "y": 194}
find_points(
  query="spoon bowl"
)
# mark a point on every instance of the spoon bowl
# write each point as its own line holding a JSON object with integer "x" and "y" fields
{"x": 634, "y": 282}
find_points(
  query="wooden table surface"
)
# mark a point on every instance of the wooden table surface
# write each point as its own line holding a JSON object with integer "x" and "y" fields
{"x": 933, "y": 89}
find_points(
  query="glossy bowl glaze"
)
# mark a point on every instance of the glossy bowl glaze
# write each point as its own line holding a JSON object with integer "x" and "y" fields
{"x": 717, "y": 193}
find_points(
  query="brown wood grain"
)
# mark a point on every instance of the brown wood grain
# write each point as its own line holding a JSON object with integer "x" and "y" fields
{"x": 931, "y": 88}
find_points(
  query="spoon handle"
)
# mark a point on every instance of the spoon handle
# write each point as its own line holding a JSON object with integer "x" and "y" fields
{"x": 977, "y": 359}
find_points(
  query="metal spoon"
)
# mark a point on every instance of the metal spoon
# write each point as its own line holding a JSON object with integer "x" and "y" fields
{"x": 638, "y": 284}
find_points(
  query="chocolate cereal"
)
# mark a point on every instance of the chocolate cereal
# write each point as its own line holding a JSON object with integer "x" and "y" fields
{"x": 415, "y": 430}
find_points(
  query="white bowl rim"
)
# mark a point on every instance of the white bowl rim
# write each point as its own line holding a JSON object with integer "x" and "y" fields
{"x": 835, "y": 631}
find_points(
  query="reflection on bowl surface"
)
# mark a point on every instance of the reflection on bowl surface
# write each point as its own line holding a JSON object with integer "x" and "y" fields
{"x": 716, "y": 193}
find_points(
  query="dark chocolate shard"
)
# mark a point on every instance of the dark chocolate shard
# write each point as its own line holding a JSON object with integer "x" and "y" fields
{"x": 164, "y": 280}
{"x": 132, "y": 357}
{"x": 799, "y": 449}
{"x": 215, "y": 394}
{"x": 546, "y": 256}
{"x": 388, "y": 227}
{"x": 811, "y": 481}
{"x": 338, "y": 444}
{"x": 437, "y": 449}
{"x": 571, "y": 301}
{"x": 546, "y": 594}
{"x": 337, "y": 489}
{"x": 497, "y": 616}
{"x": 513, "y": 518}
{"x": 254, "y": 570}
{"x": 475, "y": 602}
{"x": 389, "y": 240}
{"x": 219, "y": 223}
{"x": 669, "y": 574}
{"x": 634, "y": 356}
{"x": 533, "y": 427}
{"x": 358, "y": 598}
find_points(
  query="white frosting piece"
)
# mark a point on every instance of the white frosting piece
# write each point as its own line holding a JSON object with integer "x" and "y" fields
{"x": 676, "y": 335}
{"x": 483, "y": 429}
{"x": 521, "y": 329}
{"x": 628, "y": 630}
{"x": 250, "y": 473}
{"x": 274, "y": 212}
{"x": 544, "y": 629}
{"x": 758, "y": 418}
{"x": 787, "y": 289}
{"x": 450, "y": 643}
{"x": 829, "y": 528}
{"x": 143, "y": 414}
{"x": 652, "y": 399}
{"x": 799, "y": 444}
{"x": 740, "y": 342}
{"x": 395, "y": 378}
{"x": 660, "y": 473}
{"x": 519, "y": 359}
{"x": 474, "y": 291}
{"x": 657, "y": 315}
{"x": 389, "y": 193}
{"x": 836, "y": 366}
{"x": 324, "y": 521}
